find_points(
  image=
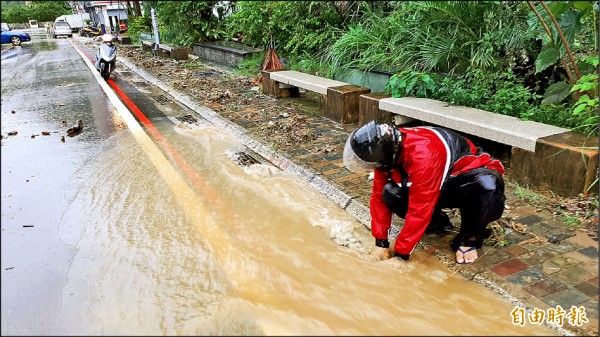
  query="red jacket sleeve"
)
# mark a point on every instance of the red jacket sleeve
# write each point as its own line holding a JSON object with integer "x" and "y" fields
{"x": 381, "y": 216}
{"x": 426, "y": 162}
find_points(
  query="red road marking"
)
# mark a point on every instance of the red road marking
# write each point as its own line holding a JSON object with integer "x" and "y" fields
{"x": 185, "y": 167}
{"x": 177, "y": 157}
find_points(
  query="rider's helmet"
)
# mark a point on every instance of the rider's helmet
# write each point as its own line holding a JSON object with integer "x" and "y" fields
{"x": 372, "y": 146}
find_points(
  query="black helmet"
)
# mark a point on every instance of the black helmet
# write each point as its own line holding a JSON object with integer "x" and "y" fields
{"x": 372, "y": 146}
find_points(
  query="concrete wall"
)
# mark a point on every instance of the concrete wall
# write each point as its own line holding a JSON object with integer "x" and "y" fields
{"x": 374, "y": 80}
{"x": 230, "y": 55}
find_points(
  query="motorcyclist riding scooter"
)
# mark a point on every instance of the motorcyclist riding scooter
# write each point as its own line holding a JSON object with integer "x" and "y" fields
{"x": 106, "y": 57}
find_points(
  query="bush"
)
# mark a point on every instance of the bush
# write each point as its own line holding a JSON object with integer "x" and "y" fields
{"x": 501, "y": 93}
{"x": 137, "y": 25}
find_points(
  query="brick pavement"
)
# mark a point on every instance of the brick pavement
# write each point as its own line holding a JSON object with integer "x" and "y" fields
{"x": 558, "y": 269}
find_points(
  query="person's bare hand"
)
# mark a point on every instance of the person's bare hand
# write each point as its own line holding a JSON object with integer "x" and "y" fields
{"x": 381, "y": 253}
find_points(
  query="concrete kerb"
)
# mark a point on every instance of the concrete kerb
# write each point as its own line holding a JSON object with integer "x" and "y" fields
{"x": 360, "y": 212}
{"x": 351, "y": 206}
{"x": 323, "y": 186}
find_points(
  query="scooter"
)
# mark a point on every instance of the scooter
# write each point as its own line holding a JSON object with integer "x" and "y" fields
{"x": 106, "y": 57}
{"x": 90, "y": 31}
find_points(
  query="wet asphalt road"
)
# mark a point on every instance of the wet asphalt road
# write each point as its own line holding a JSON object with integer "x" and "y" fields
{"x": 46, "y": 88}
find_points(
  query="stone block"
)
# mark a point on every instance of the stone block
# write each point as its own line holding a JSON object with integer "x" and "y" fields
{"x": 147, "y": 45}
{"x": 125, "y": 40}
{"x": 276, "y": 89}
{"x": 369, "y": 109}
{"x": 341, "y": 103}
{"x": 566, "y": 164}
{"x": 180, "y": 53}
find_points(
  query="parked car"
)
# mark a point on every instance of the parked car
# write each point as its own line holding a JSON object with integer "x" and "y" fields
{"x": 61, "y": 28}
{"x": 14, "y": 36}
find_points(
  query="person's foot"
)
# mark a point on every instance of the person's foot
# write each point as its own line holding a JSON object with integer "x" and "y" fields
{"x": 466, "y": 255}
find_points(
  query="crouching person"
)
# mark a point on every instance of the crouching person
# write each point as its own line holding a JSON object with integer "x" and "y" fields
{"x": 419, "y": 171}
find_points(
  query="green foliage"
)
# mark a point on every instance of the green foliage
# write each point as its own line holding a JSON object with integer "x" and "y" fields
{"x": 439, "y": 36}
{"x": 556, "y": 93}
{"x": 38, "y": 10}
{"x": 188, "y": 22}
{"x": 572, "y": 222}
{"x": 585, "y": 110}
{"x": 412, "y": 83}
{"x": 296, "y": 27}
{"x": 496, "y": 92}
{"x": 137, "y": 25}
{"x": 548, "y": 57}
{"x": 252, "y": 66}
{"x": 573, "y": 18}
{"x": 312, "y": 65}
{"x": 499, "y": 92}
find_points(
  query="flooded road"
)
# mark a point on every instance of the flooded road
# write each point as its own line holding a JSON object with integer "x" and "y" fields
{"x": 182, "y": 231}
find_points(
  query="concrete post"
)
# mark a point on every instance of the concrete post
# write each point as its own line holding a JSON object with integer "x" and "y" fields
{"x": 155, "y": 27}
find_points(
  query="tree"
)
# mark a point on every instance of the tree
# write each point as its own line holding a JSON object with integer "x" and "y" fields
{"x": 561, "y": 23}
{"x": 38, "y": 10}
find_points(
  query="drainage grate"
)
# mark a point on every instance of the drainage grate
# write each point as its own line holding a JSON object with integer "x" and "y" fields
{"x": 244, "y": 159}
{"x": 141, "y": 84}
{"x": 162, "y": 99}
{"x": 187, "y": 119}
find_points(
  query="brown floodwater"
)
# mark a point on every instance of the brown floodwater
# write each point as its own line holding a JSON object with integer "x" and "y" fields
{"x": 205, "y": 246}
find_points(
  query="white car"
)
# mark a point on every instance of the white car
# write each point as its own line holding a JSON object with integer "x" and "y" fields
{"x": 61, "y": 28}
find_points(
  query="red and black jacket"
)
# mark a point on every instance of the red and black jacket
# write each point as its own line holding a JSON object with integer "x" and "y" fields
{"x": 428, "y": 155}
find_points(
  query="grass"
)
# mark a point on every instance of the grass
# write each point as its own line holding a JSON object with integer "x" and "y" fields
{"x": 525, "y": 194}
{"x": 572, "y": 222}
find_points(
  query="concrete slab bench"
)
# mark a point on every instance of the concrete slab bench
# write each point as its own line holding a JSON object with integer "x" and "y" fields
{"x": 340, "y": 100}
{"x": 485, "y": 124}
{"x": 542, "y": 156}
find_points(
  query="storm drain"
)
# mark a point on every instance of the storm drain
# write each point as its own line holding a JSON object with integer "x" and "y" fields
{"x": 243, "y": 159}
{"x": 141, "y": 84}
{"x": 187, "y": 119}
{"x": 162, "y": 99}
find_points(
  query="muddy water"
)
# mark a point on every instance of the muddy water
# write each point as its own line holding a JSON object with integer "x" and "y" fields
{"x": 215, "y": 248}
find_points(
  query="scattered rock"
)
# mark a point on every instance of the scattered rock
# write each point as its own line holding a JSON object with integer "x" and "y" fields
{"x": 13, "y": 111}
{"x": 46, "y": 133}
{"x": 62, "y": 138}
{"x": 75, "y": 130}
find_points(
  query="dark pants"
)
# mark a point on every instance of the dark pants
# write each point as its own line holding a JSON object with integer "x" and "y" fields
{"x": 479, "y": 194}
